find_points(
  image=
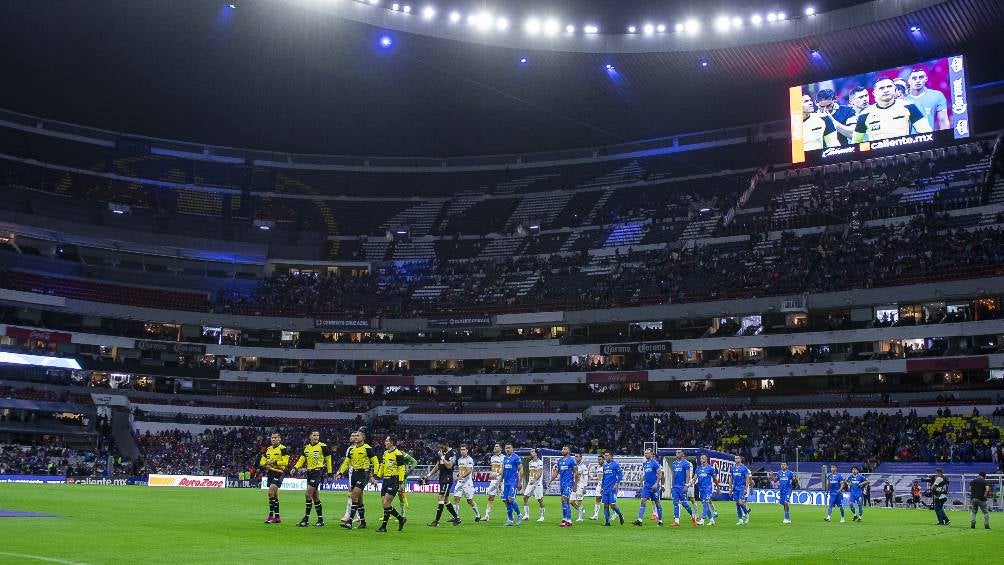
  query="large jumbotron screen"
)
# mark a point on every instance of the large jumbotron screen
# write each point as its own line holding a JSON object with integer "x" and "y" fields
{"x": 885, "y": 111}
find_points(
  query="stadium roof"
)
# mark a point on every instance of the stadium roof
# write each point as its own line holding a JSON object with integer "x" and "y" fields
{"x": 285, "y": 75}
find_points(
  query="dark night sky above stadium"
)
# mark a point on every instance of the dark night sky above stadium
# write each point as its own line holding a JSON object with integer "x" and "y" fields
{"x": 271, "y": 76}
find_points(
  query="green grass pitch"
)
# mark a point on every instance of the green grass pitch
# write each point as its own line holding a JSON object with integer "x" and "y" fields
{"x": 134, "y": 524}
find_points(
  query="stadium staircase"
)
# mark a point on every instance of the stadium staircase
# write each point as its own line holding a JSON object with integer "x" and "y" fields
{"x": 458, "y": 205}
{"x": 284, "y": 183}
{"x": 591, "y": 218}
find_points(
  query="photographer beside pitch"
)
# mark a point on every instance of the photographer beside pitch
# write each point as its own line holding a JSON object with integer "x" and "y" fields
{"x": 939, "y": 492}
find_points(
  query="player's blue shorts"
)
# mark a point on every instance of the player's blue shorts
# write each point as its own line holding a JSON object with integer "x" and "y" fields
{"x": 566, "y": 490}
{"x": 705, "y": 496}
{"x": 738, "y": 495}
{"x": 856, "y": 498}
{"x": 608, "y": 496}
{"x": 836, "y": 499}
{"x": 784, "y": 497}
{"x": 508, "y": 491}
{"x": 649, "y": 492}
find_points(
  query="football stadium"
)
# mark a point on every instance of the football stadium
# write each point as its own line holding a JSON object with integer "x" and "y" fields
{"x": 483, "y": 281}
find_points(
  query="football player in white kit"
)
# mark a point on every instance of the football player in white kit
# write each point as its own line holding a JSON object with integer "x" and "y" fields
{"x": 581, "y": 481}
{"x": 596, "y": 477}
{"x": 534, "y": 485}
{"x": 495, "y": 485}
{"x": 465, "y": 483}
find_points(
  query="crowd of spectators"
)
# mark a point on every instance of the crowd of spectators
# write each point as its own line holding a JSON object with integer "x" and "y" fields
{"x": 818, "y": 436}
{"x": 925, "y": 248}
{"x": 52, "y": 457}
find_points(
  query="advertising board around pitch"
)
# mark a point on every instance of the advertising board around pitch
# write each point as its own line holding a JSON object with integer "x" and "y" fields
{"x": 186, "y": 481}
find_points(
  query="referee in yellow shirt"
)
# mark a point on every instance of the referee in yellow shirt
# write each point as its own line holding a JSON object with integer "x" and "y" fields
{"x": 317, "y": 457}
{"x": 360, "y": 463}
{"x": 275, "y": 461}
{"x": 390, "y": 471}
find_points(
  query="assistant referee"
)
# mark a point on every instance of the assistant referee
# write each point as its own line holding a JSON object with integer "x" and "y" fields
{"x": 390, "y": 470}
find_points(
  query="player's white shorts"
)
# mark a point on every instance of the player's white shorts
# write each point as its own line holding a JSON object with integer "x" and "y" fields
{"x": 494, "y": 488}
{"x": 579, "y": 494}
{"x": 536, "y": 491}
{"x": 464, "y": 489}
{"x": 593, "y": 492}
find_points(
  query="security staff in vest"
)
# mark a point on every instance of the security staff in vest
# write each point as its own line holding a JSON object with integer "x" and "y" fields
{"x": 939, "y": 492}
{"x": 979, "y": 491}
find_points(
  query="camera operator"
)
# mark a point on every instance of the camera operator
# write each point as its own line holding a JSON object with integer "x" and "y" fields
{"x": 939, "y": 492}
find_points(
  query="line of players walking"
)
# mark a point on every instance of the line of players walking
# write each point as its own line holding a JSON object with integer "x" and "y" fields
{"x": 455, "y": 474}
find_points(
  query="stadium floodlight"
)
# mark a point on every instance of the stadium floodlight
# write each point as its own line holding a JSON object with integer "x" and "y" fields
{"x": 232, "y": 6}
{"x": 386, "y": 41}
{"x": 484, "y": 21}
{"x": 374, "y": 2}
{"x": 428, "y": 12}
{"x": 395, "y": 6}
{"x": 649, "y": 29}
{"x": 680, "y": 27}
{"x": 661, "y": 28}
{"x": 532, "y": 26}
{"x": 772, "y": 17}
{"x": 522, "y": 60}
{"x": 502, "y": 24}
{"x": 551, "y": 27}
{"x": 632, "y": 29}
{"x": 472, "y": 19}
{"x": 810, "y": 11}
{"x": 569, "y": 28}
{"x": 610, "y": 67}
{"x": 737, "y": 21}
{"x": 781, "y": 16}
{"x": 756, "y": 20}
{"x": 722, "y": 23}
{"x": 704, "y": 63}
{"x": 454, "y": 17}
{"x": 591, "y": 29}
{"x": 692, "y": 26}
{"x": 406, "y": 9}
{"x": 914, "y": 29}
